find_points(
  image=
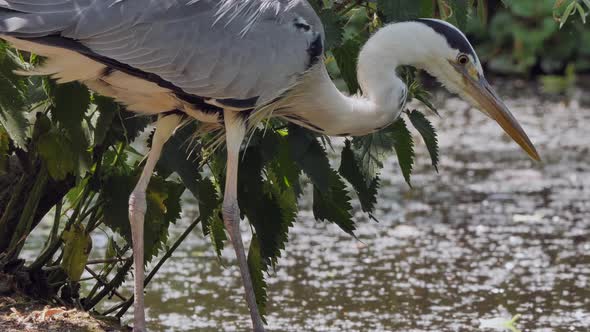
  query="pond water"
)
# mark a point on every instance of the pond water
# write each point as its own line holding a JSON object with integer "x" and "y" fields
{"x": 492, "y": 235}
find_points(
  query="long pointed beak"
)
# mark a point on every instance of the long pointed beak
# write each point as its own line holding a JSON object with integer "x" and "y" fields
{"x": 490, "y": 104}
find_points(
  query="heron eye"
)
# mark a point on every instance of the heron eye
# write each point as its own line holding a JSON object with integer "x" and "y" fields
{"x": 463, "y": 59}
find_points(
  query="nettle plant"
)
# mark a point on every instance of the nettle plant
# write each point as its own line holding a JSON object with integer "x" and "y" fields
{"x": 67, "y": 150}
{"x": 527, "y": 36}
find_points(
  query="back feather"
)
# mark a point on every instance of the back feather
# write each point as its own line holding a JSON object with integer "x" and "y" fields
{"x": 38, "y": 18}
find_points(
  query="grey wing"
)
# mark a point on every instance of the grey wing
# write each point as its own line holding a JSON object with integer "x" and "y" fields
{"x": 38, "y": 18}
{"x": 203, "y": 48}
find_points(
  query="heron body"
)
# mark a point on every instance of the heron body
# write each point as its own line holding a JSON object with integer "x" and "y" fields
{"x": 230, "y": 64}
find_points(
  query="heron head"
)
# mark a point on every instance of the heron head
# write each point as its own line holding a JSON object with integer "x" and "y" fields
{"x": 452, "y": 60}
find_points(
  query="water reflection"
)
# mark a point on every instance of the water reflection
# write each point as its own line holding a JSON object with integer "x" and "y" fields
{"x": 493, "y": 235}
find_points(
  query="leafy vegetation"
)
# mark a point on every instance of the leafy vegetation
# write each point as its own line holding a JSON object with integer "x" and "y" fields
{"x": 66, "y": 152}
{"x": 531, "y": 36}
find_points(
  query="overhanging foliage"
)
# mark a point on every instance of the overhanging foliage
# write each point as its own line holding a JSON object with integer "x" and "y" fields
{"x": 69, "y": 151}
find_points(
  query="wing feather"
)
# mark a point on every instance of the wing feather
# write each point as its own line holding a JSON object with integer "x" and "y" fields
{"x": 217, "y": 49}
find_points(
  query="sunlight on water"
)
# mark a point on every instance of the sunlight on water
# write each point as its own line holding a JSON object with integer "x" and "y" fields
{"x": 492, "y": 236}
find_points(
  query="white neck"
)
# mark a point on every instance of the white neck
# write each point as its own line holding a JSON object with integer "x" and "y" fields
{"x": 319, "y": 102}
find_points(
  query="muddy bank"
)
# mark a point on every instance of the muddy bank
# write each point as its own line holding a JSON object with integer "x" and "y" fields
{"x": 20, "y": 314}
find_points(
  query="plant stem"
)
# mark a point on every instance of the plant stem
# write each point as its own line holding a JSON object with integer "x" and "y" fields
{"x": 26, "y": 220}
{"x": 350, "y": 7}
{"x": 107, "y": 261}
{"x": 117, "y": 280}
{"x": 48, "y": 254}
{"x": 6, "y": 239}
{"x": 94, "y": 219}
{"x": 104, "y": 283}
{"x": 54, "y": 228}
{"x": 113, "y": 308}
{"x": 106, "y": 271}
{"x": 86, "y": 210}
{"x": 120, "y": 150}
{"x": 164, "y": 258}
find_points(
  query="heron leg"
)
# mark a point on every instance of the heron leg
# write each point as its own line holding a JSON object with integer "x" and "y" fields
{"x": 235, "y": 130}
{"x": 137, "y": 209}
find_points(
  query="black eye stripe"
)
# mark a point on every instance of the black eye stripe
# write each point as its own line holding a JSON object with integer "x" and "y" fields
{"x": 453, "y": 36}
{"x": 302, "y": 26}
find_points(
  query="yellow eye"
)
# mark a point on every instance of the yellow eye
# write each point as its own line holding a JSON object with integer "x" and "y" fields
{"x": 463, "y": 59}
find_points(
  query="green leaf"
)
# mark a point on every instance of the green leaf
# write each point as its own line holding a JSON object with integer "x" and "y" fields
{"x": 310, "y": 156}
{"x": 404, "y": 147}
{"x": 276, "y": 231}
{"x": 25, "y": 222}
{"x": 163, "y": 208}
{"x": 371, "y": 149}
{"x": 42, "y": 126}
{"x": 331, "y": 201}
{"x": 333, "y": 27}
{"x": 108, "y": 109}
{"x": 217, "y": 232}
{"x": 71, "y": 101}
{"x": 424, "y": 97}
{"x": 112, "y": 248}
{"x": 56, "y": 150}
{"x": 276, "y": 152}
{"x": 346, "y": 56}
{"x": 399, "y": 10}
{"x": 4, "y": 147}
{"x": 415, "y": 88}
{"x": 269, "y": 209}
{"x": 75, "y": 194}
{"x": 334, "y": 205}
{"x": 12, "y": 98}
{"x": 179, "y": 157}
{"x": 364, "y": 185}
{"x": 580, "y": 11}
{"x": 531, "y": 9}
{"x": 482, "y": 11}
{"x": 77, "y": 247}
{"x": 164, "y": 199}
{"x": 317, "y": 5}
{"x": 126, "y": 127}
{"x": 209, "y": 202}
{"x": 426, "y": 130}
{"x": 15, "y": 124}
{"x": 569, "y": 10}
{"x": 257, "y": 267}
{"x": 427, "y": 8}
{"x": 460, "y": 12}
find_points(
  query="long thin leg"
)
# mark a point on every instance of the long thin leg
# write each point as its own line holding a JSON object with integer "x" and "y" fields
{"x": 235, "y": 130}
{"x": 137, "y": 208}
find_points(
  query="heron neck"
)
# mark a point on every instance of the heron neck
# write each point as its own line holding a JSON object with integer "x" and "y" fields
{"x": 317, "y": 104}
{"x": 380, "y": 58}
{"x": 383, "y": 92}
{"x": 321, "y": 104}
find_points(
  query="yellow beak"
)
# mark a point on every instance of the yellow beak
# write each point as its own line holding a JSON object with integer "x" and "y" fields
{"x": 490, "y": 104}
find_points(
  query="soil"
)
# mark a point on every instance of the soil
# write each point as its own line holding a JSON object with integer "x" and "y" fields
{"x": 19, "y": 313}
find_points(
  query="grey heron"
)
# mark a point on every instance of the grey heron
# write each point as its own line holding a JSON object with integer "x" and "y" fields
{"x": 232, "y": 64}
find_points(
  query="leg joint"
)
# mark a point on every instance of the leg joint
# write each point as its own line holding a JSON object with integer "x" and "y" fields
{"x": 137, "y": 203}
{"x": 231, "y": 211}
